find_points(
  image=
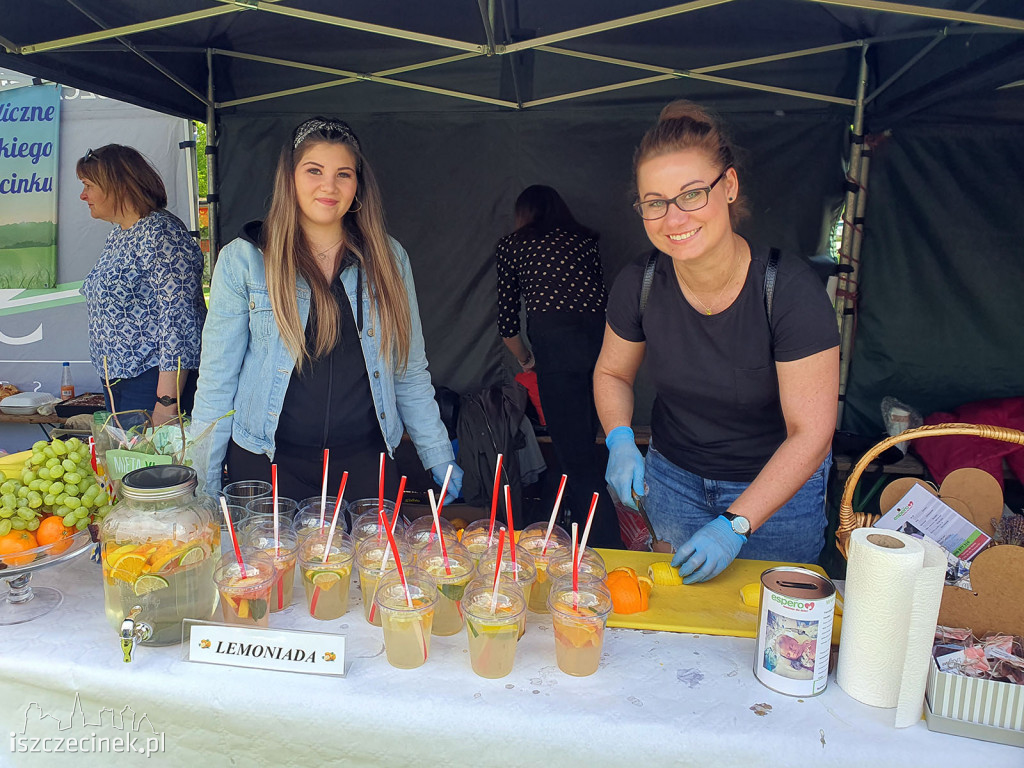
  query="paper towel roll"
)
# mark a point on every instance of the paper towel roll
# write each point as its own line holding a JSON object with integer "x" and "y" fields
{"x": 891, "y": 605}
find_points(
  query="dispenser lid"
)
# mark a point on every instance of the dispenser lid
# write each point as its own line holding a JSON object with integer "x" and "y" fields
{"x": 165, "y": 481}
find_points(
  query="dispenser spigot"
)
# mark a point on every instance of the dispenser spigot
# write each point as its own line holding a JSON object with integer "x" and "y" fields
{"x": 133, "y": 632}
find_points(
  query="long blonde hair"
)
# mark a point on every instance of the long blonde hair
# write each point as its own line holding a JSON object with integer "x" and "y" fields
{"x": 287, "y": 254}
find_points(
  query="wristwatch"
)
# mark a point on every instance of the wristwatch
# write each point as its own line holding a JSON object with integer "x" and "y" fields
{"x": 740, "y": 524}
{"x": 166, "y": 400}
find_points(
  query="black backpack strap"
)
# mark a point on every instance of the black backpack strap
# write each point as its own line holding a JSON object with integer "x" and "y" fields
{"x": 645, "y": 286}
{"x": 771, "y": 272}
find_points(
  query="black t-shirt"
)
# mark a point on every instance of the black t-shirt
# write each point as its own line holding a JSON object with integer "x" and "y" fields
{"x": 717, "y": 411}
{"x": 329, "y": 405}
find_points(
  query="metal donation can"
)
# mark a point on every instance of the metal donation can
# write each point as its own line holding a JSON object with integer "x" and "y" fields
{"x": 794, "y": 631}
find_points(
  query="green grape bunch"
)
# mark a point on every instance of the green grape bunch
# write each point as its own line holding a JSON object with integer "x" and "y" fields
{"x": 57, "y": 479}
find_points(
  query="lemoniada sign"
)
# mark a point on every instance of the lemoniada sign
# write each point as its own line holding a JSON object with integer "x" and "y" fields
{"x": 315, "y": 653}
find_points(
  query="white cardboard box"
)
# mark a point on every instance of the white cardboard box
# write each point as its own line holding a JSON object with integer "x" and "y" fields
{"x": 981, "y": 709}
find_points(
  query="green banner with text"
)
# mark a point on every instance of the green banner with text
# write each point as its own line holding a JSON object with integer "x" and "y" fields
{"x": 29, "y": 131}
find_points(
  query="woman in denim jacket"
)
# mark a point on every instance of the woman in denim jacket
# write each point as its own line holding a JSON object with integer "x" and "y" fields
{"x": 314, "y": 337}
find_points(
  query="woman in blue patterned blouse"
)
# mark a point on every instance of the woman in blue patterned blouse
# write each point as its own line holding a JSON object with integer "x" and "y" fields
{"x": 145, "y": 294}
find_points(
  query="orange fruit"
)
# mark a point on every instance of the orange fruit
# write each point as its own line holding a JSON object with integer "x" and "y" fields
{"x": 14, "y": 543}
{"x": 50, "y": 531}
{"x": 629, "y": 593}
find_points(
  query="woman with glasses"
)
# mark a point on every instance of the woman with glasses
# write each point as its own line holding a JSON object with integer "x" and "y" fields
{"x": 745, "y": 404}
{"x": 314, "y": 338}
{"x": 551, "y": 262}
{"x": 144, "y": 297}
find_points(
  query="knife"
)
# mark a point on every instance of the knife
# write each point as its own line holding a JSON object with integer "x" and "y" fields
{"x": 657, "y": 545}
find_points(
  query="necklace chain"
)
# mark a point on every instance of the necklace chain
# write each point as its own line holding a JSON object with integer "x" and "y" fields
{"x": 323, "y": 254}
{"x": 707, "y": 308}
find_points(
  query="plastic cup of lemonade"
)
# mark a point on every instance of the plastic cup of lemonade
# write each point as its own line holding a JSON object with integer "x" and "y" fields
{"x": 284, "y": 552}
{"x": 476, "y": 540}
{"x": 592, "y": 567}
{"x": 241, "y": 493}
{"x": 307, "y": 517}
{"x": 577, "y": 622}
{"x": 523, "y": 572}
{"x": 263, "y": 509}
{"x": 326, "y": 583}
{"x": 532, "y": 540}
{"x": 451, "y": 582}
{"x": 245, "y": 589}
{"x": 493, "y": 627}
{"x": 366, "y": 519}
{"x": 420, "y": 532}
{"x": 369, "y": 561}
{"x": 407, "y": 616}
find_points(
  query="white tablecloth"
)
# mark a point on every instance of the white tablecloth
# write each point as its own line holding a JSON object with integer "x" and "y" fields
{"x": 658, "y": 699}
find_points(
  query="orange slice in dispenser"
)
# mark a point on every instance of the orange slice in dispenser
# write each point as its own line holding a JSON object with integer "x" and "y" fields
{"x": 116, "y": 553}
{"x": 129, "y": 568}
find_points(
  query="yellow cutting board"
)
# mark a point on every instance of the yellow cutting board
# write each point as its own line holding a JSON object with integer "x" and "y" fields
{"x": 709, "y": 608}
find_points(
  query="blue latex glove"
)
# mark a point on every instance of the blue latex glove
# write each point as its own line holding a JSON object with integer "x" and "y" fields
{"x": 625, "y": 471}
{"x": 454, "y": 485}
{"x": 708, "y": 552}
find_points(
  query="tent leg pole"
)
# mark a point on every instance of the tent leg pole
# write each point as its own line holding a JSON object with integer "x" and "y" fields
{"x": 849, "y": 249}
{"x": 211, "y": 163}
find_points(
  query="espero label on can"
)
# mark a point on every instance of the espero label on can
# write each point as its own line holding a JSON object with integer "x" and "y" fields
{"x": 794, "y": 631}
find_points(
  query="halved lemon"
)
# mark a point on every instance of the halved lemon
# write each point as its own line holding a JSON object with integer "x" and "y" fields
{"x": 664, "y": 575}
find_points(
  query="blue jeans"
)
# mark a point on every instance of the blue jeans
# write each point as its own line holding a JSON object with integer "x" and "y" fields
{"x": 680, "y": 502}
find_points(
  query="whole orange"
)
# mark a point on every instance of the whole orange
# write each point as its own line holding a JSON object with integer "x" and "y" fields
{"x": 51, "y": 531}
{"x": 16, "y": 542}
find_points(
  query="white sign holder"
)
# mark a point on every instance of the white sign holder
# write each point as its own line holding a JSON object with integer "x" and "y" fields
{"x": 311, "y": 653}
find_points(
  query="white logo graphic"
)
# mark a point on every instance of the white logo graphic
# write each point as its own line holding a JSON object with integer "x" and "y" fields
{"x": 51, "y": 733}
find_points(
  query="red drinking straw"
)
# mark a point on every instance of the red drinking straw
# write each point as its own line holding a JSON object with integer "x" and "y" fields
{"x": 554, "y": 515}
{"x": 387, "y": 548}
{"x": 277, "y": 532}
{"x": 511, "y": 531}
{"x": 231, "y": 533}
{"x": 494, "y": 499}
{"x": 323, "y": 488}
{"x": 497, "y": 571}
{"x": 586, "y": 529}
{"x": 398, "y": 565}
{"x": 575, "y": 564}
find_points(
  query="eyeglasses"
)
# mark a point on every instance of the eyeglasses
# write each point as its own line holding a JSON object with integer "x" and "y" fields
{"x": 89, "y": 155}
{"x": 690, "y": 200}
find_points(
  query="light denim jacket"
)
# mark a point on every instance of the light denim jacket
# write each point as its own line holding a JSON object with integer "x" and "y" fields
{"x": 246, "y": 367}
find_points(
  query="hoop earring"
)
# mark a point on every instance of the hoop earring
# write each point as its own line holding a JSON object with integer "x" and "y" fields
{"x": 356, "y": 210}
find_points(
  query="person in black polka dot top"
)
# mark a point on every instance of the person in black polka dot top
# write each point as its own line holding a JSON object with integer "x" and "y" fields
{"x": 551, "y": 263}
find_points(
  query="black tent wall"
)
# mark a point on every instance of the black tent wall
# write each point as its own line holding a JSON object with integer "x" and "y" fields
{"x": 449, "y": 182}
{"x": 941, "y": 314}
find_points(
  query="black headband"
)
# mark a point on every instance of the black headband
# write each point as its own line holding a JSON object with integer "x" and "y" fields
{"x": 319, "y": 124}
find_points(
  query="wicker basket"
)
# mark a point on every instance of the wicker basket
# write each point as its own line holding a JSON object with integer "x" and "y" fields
{"x": 849, "y": 520}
